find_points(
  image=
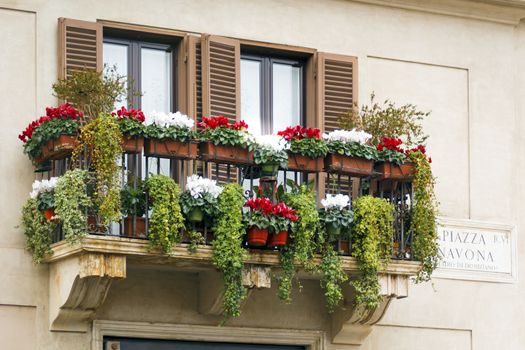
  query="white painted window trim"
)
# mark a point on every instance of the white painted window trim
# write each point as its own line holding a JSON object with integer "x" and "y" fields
{"x": 312, "y": 340}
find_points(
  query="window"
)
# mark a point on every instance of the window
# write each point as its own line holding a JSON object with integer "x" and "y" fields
{"x": 271, "y": 93}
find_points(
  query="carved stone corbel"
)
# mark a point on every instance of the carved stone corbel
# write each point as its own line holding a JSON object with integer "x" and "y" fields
{"x": 211, "y": 289}
{"x": 352, "y": 325}
{"x": 78, "y": 285}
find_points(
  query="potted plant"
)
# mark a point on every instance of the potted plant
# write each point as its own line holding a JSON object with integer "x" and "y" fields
{"x": 393, "y": 163}
{"x": 257, "y": 220}
{"x": 336, "y": 217}
{"x": 225, "y": 142}
{"x": 170, "y": 136}
{"x": 43, "y": 193}
{"x": 52, "y": 136}
{"x": 349, "y": 153}
{"x": 131, "y": 125}
{"x": 199, "y": 201}
{"x": 307, "y": 148}
{"x": 134, "y": 207}
{"x": 270, "y": 154}
{"x": 280, "y": 219}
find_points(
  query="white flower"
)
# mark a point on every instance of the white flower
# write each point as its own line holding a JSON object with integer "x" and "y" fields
{"x": 164, "y": 120}
{"x": 43, "y": 186}
{"x": 198, "y": 186}
{"x": 340, "y": 201}
{"x": 273, "y": 142}
{"x": 348, "y": 136}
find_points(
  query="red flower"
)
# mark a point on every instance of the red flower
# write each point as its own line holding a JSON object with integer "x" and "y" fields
{"x": 281, "y": 209}
{"x": 299, "y": 132}
{"x": 133, "y": 114}
{"x": 262, "y": 205}
{"x": 391, "y": 144}
{"x": 221, "y": 121}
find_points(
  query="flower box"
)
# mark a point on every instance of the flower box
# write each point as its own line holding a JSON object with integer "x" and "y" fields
{"x": 225, "y": 154}
{"x": 59, "y": 148}
{"x": 133, "y": 144}
{"x": 299, "y": 162}
{"x": 140, "y": 227}
{"x": 392, "y": 171}
{"x": 354, "y": 166}
{"x": 168, "y": 148}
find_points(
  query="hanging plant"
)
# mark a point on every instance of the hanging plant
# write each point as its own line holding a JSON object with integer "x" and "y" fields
{"x": 423, "y": 216}
{"x": 228, "y": 254}
{"x": 373, "y": 231}
{"x": 38, "y": 230}
{"x": 71, "y": 204}
{"x": 333, "y": 276}
{"x": 166, "y": 219}
{"x": 102, "y": 139}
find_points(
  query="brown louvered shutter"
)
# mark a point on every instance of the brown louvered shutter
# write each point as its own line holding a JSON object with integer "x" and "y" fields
{"x": 336, "y": 95}
{"x": 80, "y": 46}
{"x": 220, "y": 87}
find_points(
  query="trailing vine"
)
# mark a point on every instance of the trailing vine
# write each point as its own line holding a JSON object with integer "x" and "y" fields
{"x": 72, "y": 203}
{"x": 423, "y": 217}
{"x": 38, "y": 230}
{"x": 333, "y": 276}
{"x": 102, "y": 139}
{"x": 228, "y": 253}
{"x": 372, "y": 246}
{"x": 166, "y": 219}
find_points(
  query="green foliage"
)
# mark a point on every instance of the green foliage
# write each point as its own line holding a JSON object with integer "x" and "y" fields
{"x": 352, "y": 149}
{"x": 266, "y": 155}
{"x": 337, "y": 218}
{"x": 387, "y": 120}
{"x": 178, "y": 133}
{"x": 131, "y": 127}
{"x": 255, "y": 218}
{"x": 228, "y": 254}
{"x": 92, "y": 92}
{"x": 301, "y": 246}
{"x": 45, "y": 200}
{"x": 72, "y": 203}
{"x": 195, "y": 238}
{"x": 49, "y": 130}
{"x": 38, "y": 231}
{"x": 166, "y": 219}
{"x": 227, "y": 137}
{"x": 373, "y": 232}
{"x": 133, "y": 198}
{"x": 102, "y": 139}
{"x": 391, "y": 156}
{"x": 332, "y": 277}
{"x": 309, "y": 147}
{"x": 423, "y": 217}
{"x": 206, "y": 202}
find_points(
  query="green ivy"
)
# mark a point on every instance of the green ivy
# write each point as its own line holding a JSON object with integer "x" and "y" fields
{"x": 166, "y": 219}
{"x": 38, "y": 231}
{"x": 102, "y": 139}
{"x": 373, "y": 231}
{"x": 352, "y": 149}
{"x": 309, "y": 147}
{"x": 423, "y": 217}
{"x": 72, "y": 203}
{"x": 332, "y": 277}
{"x": 228, "y": 253}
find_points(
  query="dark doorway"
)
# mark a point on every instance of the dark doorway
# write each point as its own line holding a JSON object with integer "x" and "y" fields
{"x": 147, "y": 344}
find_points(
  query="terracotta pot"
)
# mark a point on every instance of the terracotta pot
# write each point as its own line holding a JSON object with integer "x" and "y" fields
{"x": 278, "y": 240}
{"x": 133, "y": 144}
{"x": 168, "y": 148}
{"x": 196, "y": 215}
{"x": 298, "y": 162}
{"x": 257, "y": 236}
{"x": 225, "y": 154}
{"x": 140, "y": 227}
{"x": 353, "y": 166}
{"x": 344, "y": 246}
{"x": 60, "y": 148}
{"x": 49, "y": 213}
{"x": 403, "y": 172}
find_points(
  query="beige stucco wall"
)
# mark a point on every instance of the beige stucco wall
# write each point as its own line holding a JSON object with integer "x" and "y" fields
{"x": 468, "y": 72}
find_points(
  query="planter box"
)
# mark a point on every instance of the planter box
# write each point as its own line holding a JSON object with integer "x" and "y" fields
{"x": 59, "y": 148}
{"x": 391, "y": 171}
{"x": 225, "y": 154}
{"x": 170, "y": 149}
{"x": 298, "y": 162}
{"x": 140, "y": 227}
{"x": 353, "y": 166}
{"x": 133, "y": 144}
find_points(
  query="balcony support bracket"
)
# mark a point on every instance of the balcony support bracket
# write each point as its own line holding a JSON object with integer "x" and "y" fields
{"x": 78, "y": 286}
{"x": 352, "y": 325}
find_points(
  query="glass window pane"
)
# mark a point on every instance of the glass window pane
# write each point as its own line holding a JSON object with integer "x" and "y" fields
{"x": 286, "y": 95}
{"x": 251, "y": 94}
{"x": 117, "y": 55}
{"x": 155, "y": 78}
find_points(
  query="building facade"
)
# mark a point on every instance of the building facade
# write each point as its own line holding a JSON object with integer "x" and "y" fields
{"x": 462, "y": 60}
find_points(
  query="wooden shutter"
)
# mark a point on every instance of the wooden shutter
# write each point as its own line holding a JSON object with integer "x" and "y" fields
{"x": 80, "y": 46}
{"x": 220, "y": 76}
{"x": 336, "y": 88}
